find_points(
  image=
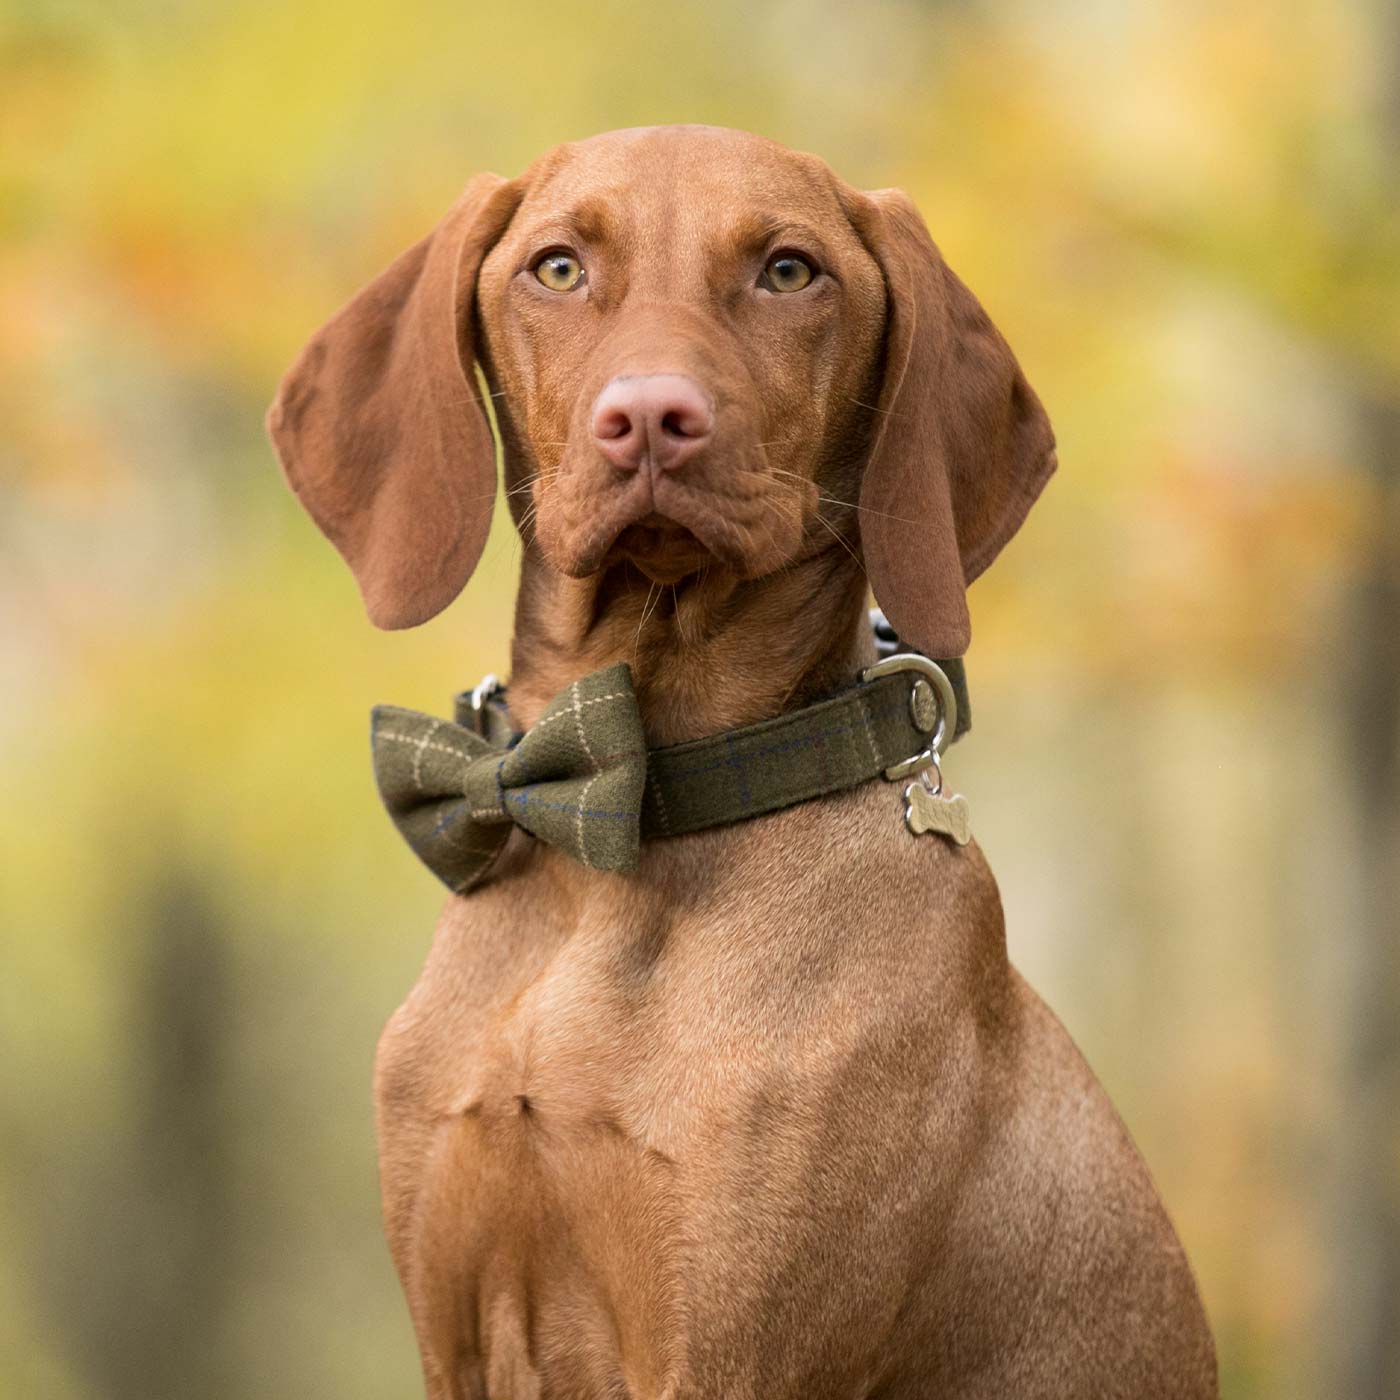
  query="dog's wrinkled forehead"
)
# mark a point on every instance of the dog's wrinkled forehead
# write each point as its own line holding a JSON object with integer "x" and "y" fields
{"x": 656, "y": 191}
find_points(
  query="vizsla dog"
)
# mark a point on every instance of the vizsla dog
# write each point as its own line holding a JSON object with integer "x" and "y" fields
{"x": 768, "y": 1114}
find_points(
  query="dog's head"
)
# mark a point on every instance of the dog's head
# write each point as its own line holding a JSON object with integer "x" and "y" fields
{"x": 703, "y": 349}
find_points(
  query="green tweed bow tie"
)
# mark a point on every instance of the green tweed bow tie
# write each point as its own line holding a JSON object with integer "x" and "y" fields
{"x": 575, "y": 780}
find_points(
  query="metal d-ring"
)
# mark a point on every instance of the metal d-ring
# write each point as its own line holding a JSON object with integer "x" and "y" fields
{"x": 947, "y": 707}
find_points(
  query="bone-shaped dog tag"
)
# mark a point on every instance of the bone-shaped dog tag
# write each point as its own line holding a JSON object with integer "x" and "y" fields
{"x": 931, "y": 811}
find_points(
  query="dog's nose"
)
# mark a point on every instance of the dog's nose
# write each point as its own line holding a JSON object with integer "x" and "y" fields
{"x": 664, "y": 417}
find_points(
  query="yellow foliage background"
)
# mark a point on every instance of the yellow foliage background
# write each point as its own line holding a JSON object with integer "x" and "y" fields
{"x": 1185, "y": 767}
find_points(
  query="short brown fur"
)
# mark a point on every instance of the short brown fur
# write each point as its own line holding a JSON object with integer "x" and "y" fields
{"x": 773, "y": 1116}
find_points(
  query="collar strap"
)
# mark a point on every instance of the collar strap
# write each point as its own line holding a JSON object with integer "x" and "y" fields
{"x": 887, "y": 725}
{"x": 882, "y": 726}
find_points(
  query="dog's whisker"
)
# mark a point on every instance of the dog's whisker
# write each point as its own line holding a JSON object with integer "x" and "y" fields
{"x": 869, "y": 510}
{"x": 875, "y": 408}
{"x": 850, "y": 505}
{"x": 839, "y": 538}
{"x": 652, "y": 590}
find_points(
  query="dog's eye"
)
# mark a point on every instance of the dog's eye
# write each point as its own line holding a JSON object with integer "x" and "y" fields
{"x": 559, "y": 271}
{"x": 786, "y": 272}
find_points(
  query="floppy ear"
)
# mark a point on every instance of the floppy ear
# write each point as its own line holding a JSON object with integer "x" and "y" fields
{"x": 379, "y": 424}
{"x": 963, "y": 446}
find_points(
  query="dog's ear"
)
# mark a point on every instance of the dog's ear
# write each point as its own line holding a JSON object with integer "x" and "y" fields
{"x": 962, "y": 446}
{"x": 379, "y": 423}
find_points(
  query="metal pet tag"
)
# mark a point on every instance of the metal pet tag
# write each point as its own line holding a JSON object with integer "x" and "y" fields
{"x": 931, "y": 811}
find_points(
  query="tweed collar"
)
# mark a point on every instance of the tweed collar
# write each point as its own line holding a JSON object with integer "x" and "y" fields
{"x": 582, "y": 779}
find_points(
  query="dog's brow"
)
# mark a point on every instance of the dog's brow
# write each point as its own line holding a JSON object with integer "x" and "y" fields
{"x": 590, "y": 220}
{"x": 753, "y": 230}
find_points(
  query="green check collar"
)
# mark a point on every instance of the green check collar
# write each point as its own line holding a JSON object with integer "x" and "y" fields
{"x": 583, "y": 779}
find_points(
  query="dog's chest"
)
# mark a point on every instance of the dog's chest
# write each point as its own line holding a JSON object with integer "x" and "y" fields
{"x": 618, "y": 1129}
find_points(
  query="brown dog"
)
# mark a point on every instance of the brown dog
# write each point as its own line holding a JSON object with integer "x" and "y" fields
{"x": 773, "y": 1116}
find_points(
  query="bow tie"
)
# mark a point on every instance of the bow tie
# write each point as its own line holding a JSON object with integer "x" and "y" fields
{"x": 574, "y": 780}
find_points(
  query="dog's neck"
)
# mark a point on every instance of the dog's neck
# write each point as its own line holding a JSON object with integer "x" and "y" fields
{"x": 711, "y": 653}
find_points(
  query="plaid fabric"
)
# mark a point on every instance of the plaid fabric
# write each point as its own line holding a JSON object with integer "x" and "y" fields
{"x": 582, "y": 779}
{"x": 575, "y": 780}
{"x": 827, "y": 747}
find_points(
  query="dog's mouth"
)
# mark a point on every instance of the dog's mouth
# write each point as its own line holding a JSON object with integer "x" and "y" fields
{"x": 663, "y": 549}
{"x": 728, "y": 511}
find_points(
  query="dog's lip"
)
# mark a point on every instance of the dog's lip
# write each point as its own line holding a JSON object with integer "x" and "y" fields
{"x": 655, "y": 530}
{"x": 639, "y": 517}
{"x": 662, "y": 547}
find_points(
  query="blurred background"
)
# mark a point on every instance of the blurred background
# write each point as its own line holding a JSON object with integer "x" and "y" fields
{"x": 1185, "y": 216}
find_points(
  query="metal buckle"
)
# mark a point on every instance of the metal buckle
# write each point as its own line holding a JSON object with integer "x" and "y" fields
{"x": 931, "y": 672}
{"x": 486, "y": 688}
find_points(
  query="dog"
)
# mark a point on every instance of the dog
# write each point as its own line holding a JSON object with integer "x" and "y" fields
{"x": 769, "y": 1113}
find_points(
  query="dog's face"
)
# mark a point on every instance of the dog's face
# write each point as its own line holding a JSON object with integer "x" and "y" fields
{"x": 681, "y": 327}
{"x": 698, "y": 342}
